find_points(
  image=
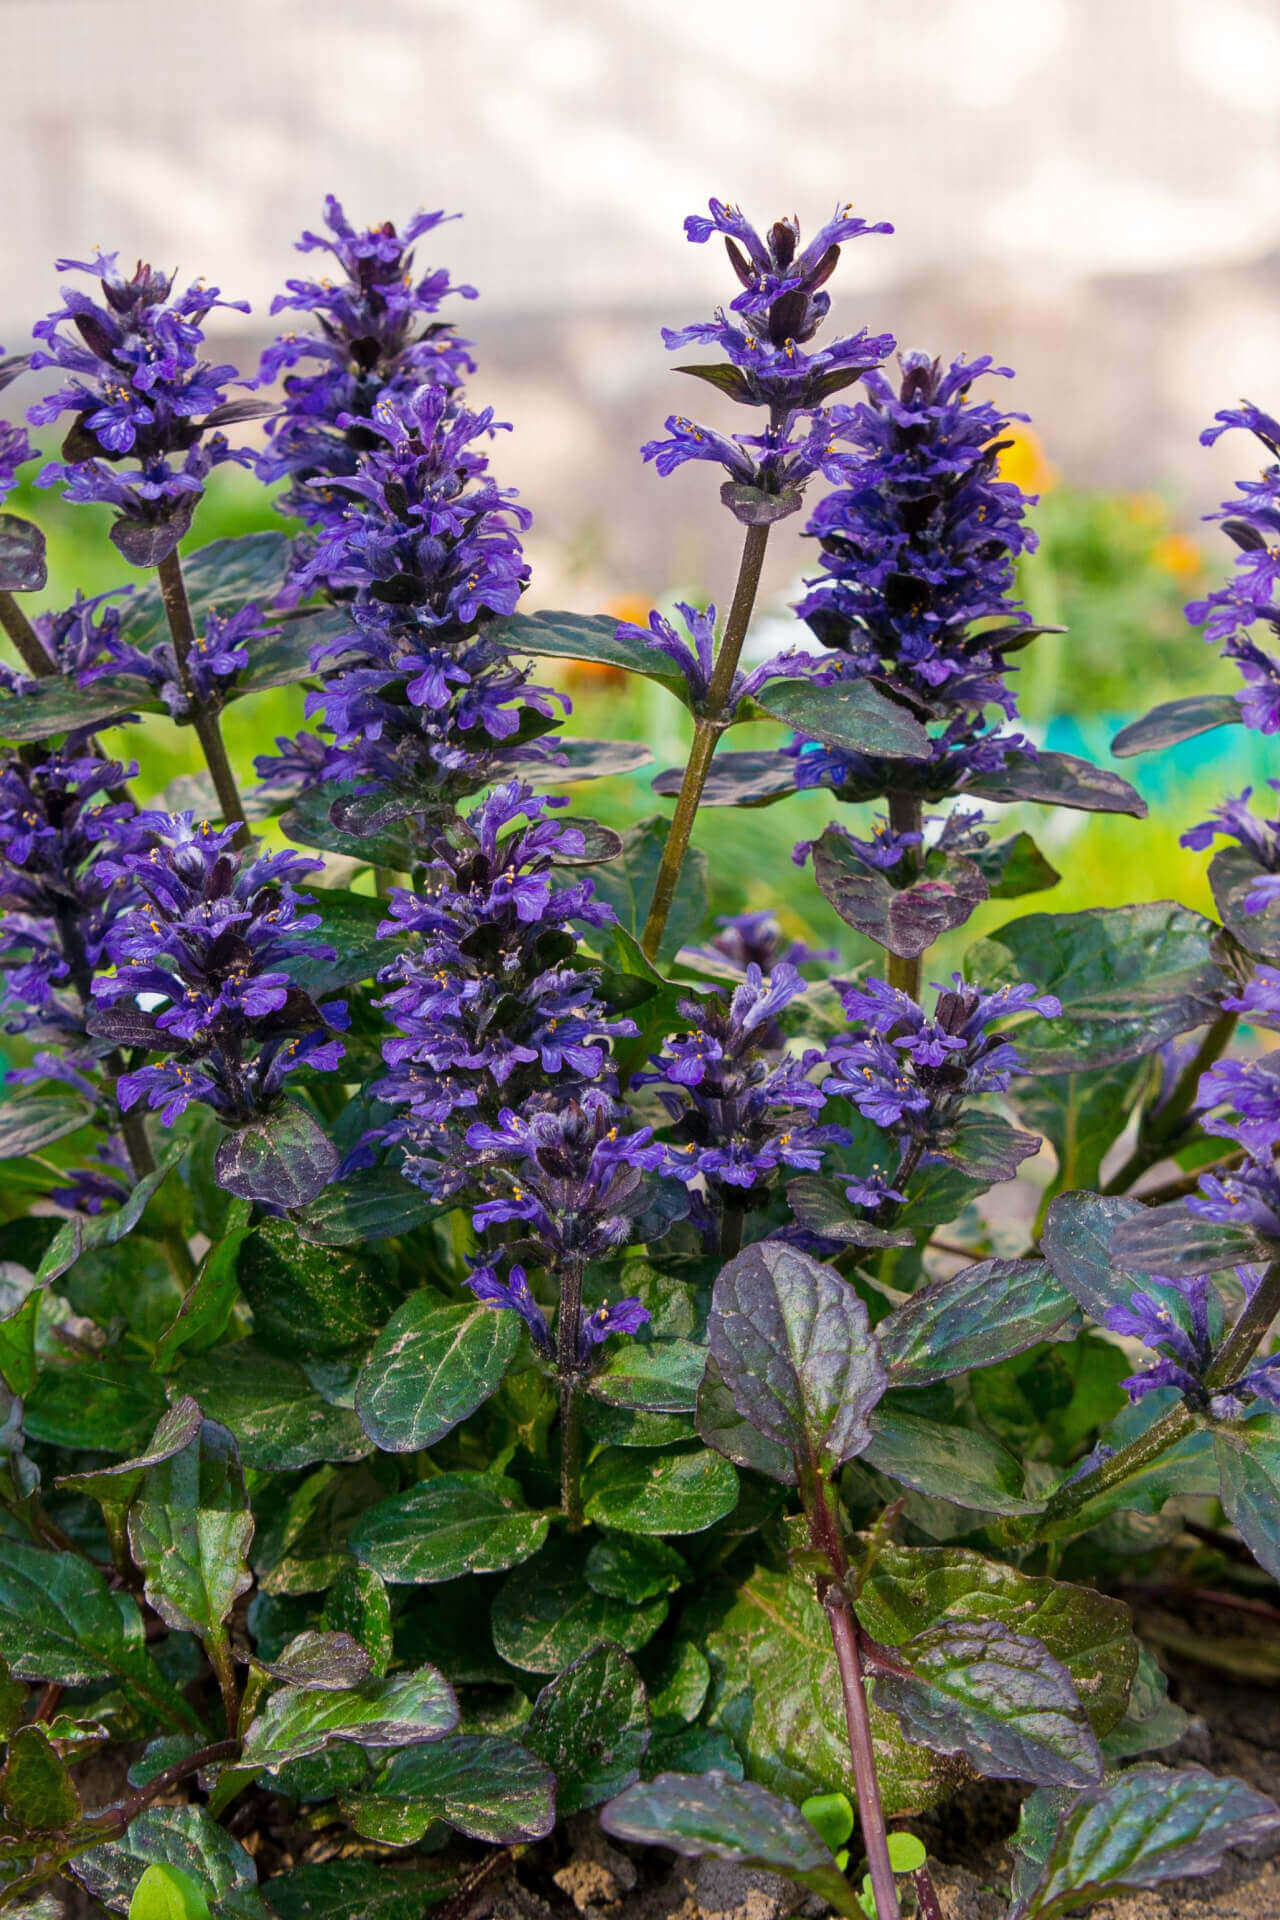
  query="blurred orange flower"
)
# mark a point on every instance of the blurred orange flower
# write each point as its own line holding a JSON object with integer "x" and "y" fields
{"x": 595, "y": 676}
{"x": 1025, "y": 463}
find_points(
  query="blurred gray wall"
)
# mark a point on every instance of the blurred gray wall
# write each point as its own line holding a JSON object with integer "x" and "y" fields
{"x": 1089, "y": 189}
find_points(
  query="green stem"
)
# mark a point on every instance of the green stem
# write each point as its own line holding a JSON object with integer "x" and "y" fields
{"x": 568, "y": 1331}
{"x": 1235, "y": 1353}
{"x": 218, "y": 1649}
{"x": 1157, "y": 1134}
{"x": 204, "y": 718}
{"x": 906, "y": 815}
{"x": 30, "y": 647}
{"x": 708, "y": 727}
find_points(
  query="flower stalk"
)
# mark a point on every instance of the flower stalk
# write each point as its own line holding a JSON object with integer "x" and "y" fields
{"x": 706, "y": 736}
{"x": 173, "y": 589}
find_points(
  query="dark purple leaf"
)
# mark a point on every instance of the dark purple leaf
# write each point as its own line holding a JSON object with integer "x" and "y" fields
{"x": 1177, "y": 720}
{"x": 978, "y": 1317}
{"x": 755, "y": 508}
{"x": 1174, "y": 1241}
{"x": 986, "y": 1147}
{"x": 23, "y": 568}
{"x": 849, "y": 715}
{"x": 821, "y": 1206}
{"x": 145, "y": 543}
{"x": 1059, "y": 780}
{"x": 738, "y": 780}
{"x": 282, "y": 1161}
{"x": 905, "y": 920}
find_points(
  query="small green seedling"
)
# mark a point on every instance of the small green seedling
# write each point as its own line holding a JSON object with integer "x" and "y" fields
{"x": 168, "y": 1893}
{"x": 906, "y": 1854}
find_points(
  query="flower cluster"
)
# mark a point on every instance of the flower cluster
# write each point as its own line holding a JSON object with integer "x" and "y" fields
{"x": 918, "y": 550}
{"x": 421, "y": 702}
{"x": 738, "y": 1111}
{"x": 202, "y": 973}
{"x": 911, "y": 1073}
{"x": 514, "y": 1293}
{"x": 959, "y": 832}
{"x": 220, "y": 654}
{"x": 1249, "y": 1091}
{"x": 1171, "y": 1319}
{"x": 61, "y": 891}
{"x": 138, "y": 392}
{"x": 763, "y": 335}
{"x": 377, "y": 338}
{"x": 756, "y": 939}
{"x": 487, "y": 1012}
{"x": 1229, "y": 616}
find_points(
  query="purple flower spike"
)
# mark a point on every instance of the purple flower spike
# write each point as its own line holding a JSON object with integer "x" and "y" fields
{"x": 202, "y": 973}
{"x": 513, "y": 1294}
{"x": 624, "y": 1316}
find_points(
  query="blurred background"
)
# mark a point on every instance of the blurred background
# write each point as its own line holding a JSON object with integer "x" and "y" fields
{"x": 1087, "y": 189}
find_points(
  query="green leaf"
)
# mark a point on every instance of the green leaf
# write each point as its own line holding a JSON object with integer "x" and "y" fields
{"x": 487, "y": 1787}
{"x": 1151, "y": 1720}
{"x": 1081, "y": 1115}
{"x": 285, "y": 657}
{"x": 909, "y": 1591}
{"x": 116, "y": 1488}
{"x": 310, "y": 1300}
{"x": 1014, "y": 867}
{"x": 1058, "y": 780}
{"x": 23, "y": 567}
{"x": 731, "y": 1433}
{"x": 185, "y": 1837}
{"x": 1248, "y": 1459}
{"x": 948, "y": 1463}
{"x": 794, "y": 1348}
{"x": 301, "y": 1547}
{"x": 998, "y": 1698}
{"x": 57, "y": 705}
{"x": 1128, "y": 978}
{"x": 1076, "y": 1241}
{"x": 545, "y": 1616}
{"x": 434, "y": 1363}
{"x": 905, "y": 920}
{"x": 279, "y": 1420}
{"x": 109, "y": 1405}
{"x": 831, "y": 1816}
{"x": 821, "y": 1206}
{"x": 372, "y": 1204}
{"x": 208, "y": 1302}
{"x": 984, "y": 1147}
{"x": 357, "y": 1603}
{"x": 1173, "y": 1241}
{"x": 974, "y": 1319}
{"x": 307, "y": 821}
{"x": 656, "y": 1376}
{"x": 753, "y": 779}
{"x": 36, "y": 1120}
{"x": 634, "y": 1566}
{"x": 349, "y": 923}
{"x": 331, "y": 1662}
{"x": 36, "y": 1790}
{"x": 282, "y": 1161}
{"x": 643, "y": 1490}
{"x": 776, "y": 1693}
{"x": 168, "y": 1893}
{"x": 627, "y": 884}
{"x": 591, "y": 1726}
{"x": 60, "y": 1622}
{"x": 84, "y": 1232}
{"x": 732, "y": 1820}
{"x": 453, "y": 1524}
{"x": 849, "y": 715}
{"x": 692, "y": 1750}
{"x": 1177, "y": 720}
{"x": 189, "y": 1533}
{"x": 599, "y": 637}
{"x": 678, "y": 1685}
{"x": 358, "y": 1890}
{"x": 378, "y": 1713}
{"x": 1144, "y": 1826}
{"x": 219, "y": 577}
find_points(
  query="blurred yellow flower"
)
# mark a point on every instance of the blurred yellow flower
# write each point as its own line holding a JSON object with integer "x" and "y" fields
{"x": 1146, "y": 509}
{"x": 1178, "y": 554}
{"x": 1025, "y": 463}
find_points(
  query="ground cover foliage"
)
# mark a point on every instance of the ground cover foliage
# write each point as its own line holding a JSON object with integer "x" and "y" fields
{"x": 484, "y": 1340}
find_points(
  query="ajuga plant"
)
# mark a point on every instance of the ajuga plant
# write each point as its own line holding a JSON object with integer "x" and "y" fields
{"x": 486, "y": 1340}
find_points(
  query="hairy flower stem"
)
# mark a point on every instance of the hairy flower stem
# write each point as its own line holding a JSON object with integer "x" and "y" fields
{"x": 1235, "y": 1353}
{"x": 1158, "y": 1133}
{"x": 30, "y": 647}
{"x": 173, "y": 590}
{"x": 568, "y": 1366}
{"x": 906, "y": 815}
{"x": 845, "y": 1638}
{"x": 706, "y": 737}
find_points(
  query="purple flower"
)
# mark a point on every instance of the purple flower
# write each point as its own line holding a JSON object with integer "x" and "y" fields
{"x": 427, "y": 551}
{"x": 202, "y": 973}
{"x": 486, "y": 1012}
{"x": 738, "y": 1112}
{"x": 919, "y": 543}
{"x": 137, "y": 391}
{"x": 513, "y": 1293}
{"x": 569, "y": 1180}
{"x": 695, "y": 661}
{"x": 1172, "y": 1319}
{"x": 220, "y": 654}
{"x": 747, "y": 939}
{"x": 15, "y": 451}
{"x": 780, "y": 307}
{"x": 377, "y": 337}
{"x": 911, "y": 1073}
{"x": 1248, "y": 1197}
